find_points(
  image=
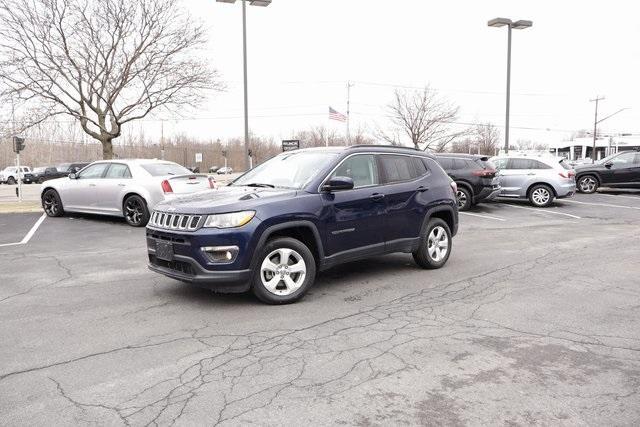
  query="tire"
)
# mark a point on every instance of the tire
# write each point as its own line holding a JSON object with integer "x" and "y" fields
{"x": 541, "y": 196}
{"x": 587, "y": 184}
{"x": 464, "y": 199}
{"x": 52, "y": 204}
{"x": 11, "y": 181}
{"x": 436, "y": 245}
{"x": 274, "y": 281}
{"x": 135, "y": 211}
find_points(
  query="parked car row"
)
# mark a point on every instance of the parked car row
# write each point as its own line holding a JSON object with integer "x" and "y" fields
{"x": 40, "y": 174}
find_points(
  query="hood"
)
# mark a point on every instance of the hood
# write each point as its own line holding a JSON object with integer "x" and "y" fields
{"x": 225, "y": 199}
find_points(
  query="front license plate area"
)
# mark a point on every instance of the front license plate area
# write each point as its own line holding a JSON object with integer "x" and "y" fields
{"x": 164, "y": 251}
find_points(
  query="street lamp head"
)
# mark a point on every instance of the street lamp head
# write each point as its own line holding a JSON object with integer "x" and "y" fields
{"x": 263, "y": 3}
{"x": 521, "y": 24}
{"x": 499, "y": 22}
{"x": 226, "y": 1}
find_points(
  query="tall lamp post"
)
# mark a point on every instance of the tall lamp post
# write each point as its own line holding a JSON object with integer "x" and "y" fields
{"x": 262, "y": 3}
{"x": 517, "y": 25}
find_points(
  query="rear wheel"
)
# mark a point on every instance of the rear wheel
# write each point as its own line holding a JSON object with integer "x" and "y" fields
{"x": 435, "y": 246}
{"x": 587, "y": 184}
{"x": 135, "y": 211}
{"x": 11, "y": 180}
{"x": 541, "y": 196}
{"x": 464, "y": 198}
{"x": 51, "y": 203}
{"x": 285, "y": 271}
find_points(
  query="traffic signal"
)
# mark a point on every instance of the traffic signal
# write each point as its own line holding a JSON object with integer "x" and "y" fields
{"x": 250, "y": 153}
{"x": 224, "y": 153}
{"x": 18, "y": 144}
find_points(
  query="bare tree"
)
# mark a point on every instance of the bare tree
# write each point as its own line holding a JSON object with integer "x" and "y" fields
{"x": 105, "y": 63}
{"x": 422, "y": 118}
{"x": 487, "y": 138}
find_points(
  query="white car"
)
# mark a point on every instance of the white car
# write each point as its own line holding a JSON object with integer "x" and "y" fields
{"x": 129, "y": 188}
{"x": 224, "y": 170}
{"x": 10, "y": 174}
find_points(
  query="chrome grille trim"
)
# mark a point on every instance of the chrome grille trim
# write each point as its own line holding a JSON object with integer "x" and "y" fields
{"x": 173, "y": 221}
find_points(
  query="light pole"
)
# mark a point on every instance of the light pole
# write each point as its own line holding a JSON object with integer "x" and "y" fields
{"x": 596, "y": 122}
{"x": 517, "y": 25}
{"x": 262, "y": 3}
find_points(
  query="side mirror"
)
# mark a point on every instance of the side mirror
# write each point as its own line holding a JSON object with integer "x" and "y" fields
{"x": 608, "y": 164}
{"x": 338, "y": 183}
{"x": 73, "y": 176}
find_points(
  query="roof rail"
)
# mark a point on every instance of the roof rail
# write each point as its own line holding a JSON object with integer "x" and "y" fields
{"x": 401, "y": 147}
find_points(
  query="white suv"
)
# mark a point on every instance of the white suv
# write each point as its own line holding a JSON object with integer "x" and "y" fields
{"x": 10, "y": 174}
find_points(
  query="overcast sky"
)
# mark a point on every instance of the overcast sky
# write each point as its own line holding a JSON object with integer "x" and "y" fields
{"x": 303, "y": 52}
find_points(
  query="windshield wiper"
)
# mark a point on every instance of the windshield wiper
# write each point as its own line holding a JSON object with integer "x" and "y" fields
{"x": 258, "y": 184}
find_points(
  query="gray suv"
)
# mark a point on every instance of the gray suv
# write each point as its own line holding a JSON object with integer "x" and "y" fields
{"x": 539, "y": 179}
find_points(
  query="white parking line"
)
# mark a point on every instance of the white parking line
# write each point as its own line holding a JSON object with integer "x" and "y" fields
{"x": 29, "y": 235}
{"x": 483, "y": 216}
{"x": 619, "y": 195}
{"x": 603, "y": 204}
{"x": 543, "y": 211}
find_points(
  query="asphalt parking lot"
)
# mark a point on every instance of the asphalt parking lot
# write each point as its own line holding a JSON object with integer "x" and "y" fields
{"x": 534, "y": 320}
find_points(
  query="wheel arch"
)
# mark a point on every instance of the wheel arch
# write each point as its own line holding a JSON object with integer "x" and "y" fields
{"x": 546, "y": 184}
{"x": 305, "y": 231}
{"x": 130, "y": 193}
{"x": 445, "y": 213}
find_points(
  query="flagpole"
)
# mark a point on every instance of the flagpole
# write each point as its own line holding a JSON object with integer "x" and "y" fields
{"x": 326, "y": 137}
{"x": 349, "y": 85}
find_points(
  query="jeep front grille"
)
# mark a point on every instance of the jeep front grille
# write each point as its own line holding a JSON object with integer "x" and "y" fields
{"x": 170, "y": 221}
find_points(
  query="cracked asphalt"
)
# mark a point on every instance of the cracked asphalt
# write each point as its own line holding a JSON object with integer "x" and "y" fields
{"x": 534, "y": 320}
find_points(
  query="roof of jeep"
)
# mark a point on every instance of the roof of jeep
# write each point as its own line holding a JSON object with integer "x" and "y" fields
{"x": 369, "y": 148}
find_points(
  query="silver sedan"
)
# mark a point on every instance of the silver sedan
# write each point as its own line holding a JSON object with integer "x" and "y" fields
{"x": 128, "y": 188}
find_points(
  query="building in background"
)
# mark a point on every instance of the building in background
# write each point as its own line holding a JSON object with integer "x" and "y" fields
{"x": 581, "y": 148}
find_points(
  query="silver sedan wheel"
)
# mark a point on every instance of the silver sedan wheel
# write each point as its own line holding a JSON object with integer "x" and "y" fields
{"x": 438, "y": 244}
{"x": 540, "y": 196}
{"x": 283, "y": 271}
{"x": 462, "y": 198}
{"x": 588, "y": 185}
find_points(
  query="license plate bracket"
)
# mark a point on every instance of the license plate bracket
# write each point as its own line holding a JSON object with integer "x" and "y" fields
{"x": 164, "y": 251}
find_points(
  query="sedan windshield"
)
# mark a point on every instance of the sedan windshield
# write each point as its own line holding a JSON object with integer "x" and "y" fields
{"x": 288, "y": 170}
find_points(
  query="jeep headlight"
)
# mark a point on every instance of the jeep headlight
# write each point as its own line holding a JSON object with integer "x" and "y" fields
{"x": 229, "y": 220}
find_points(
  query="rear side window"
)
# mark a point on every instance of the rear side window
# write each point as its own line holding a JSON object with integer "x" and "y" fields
{"x": 401, "y": 168}
{"x": 163, "y": 169}
{"x": 536, "y": 164}
{"x": 118, "y": 170}
{"x": 447, "y": 164}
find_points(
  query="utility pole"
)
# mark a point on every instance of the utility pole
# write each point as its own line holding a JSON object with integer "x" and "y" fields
{"x": 595, "y": 127}
{"x": 349, "y": 86}
{"x": 13, "y": 134}
{"x": 162, "y": 139}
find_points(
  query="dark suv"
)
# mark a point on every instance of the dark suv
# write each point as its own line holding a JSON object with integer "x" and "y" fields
{"x": 305, "y": 211}
{"x": 475, "y": 176}
{"x": 621, "y": 170}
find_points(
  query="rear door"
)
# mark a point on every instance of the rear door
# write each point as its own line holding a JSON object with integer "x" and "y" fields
{"x": 110, "y": 189}
{"x": 354, "y": 218}
{"x": 515, "y": 176}
{"x": 403, "y": 179}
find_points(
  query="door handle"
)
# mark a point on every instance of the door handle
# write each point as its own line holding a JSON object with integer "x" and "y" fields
{"x": 121, "y": 185}
{"x": 376, "y": 197}
{"x": 531, "y": 173}
{"x": 92, "y": 185}
{"x": 422, "y": 189}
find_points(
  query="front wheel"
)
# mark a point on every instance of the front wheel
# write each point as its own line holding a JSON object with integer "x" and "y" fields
{"x": 135, "y": 211}
{"x": 285, "y": 270}
{"x": 541, "y": 196}
{"x": 587, "y": 184}
{"x": 52, "y": 204}
{"x": 435, "y": 246}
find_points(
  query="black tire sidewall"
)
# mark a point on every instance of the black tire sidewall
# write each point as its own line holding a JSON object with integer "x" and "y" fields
{"x": 421, "y": 256}
{"x": 258, "y": 288}
{"x": 57, "y": 196}
{"x": 468, "y": 203}
{"x": 11, "y": 181}
{"x": 546, "y": 187}
{"x": 145, "y": 217}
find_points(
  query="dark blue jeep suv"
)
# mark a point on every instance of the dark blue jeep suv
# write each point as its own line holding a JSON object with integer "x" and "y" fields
{"x": 305, "y": 211}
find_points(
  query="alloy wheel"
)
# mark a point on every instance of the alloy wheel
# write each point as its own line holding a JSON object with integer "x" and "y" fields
{"x": 133, "y": 211}
{"x": 51, "y": 205}
{"x": 588, "y": 185}
{"x": 437, "y": 244}
{"x": 462, "y": 199}
{"x": 283, "y": 271}
{"x": 540, "y": 196}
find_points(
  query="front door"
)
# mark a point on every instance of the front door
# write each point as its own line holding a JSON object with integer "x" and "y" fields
{"x": 620, "y": 169}
{"x": 110, "y": 188}
{"x": 354, "y": 217}
{"x": 80, "y": 193}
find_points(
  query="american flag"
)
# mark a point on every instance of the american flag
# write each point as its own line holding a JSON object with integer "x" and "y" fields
{"x": 334, "y": 115}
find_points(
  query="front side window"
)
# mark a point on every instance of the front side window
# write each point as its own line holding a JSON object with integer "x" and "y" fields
{"x": 94, "y": 171}
{"x": 118, "y": 170}
{"x": 361, "y": 168}
{"x": 294, "y": 169}
{"x": 624, "y": 159}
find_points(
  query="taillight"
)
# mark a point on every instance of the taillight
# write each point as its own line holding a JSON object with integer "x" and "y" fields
{"x": 484, "y": 172}
{"x": 568, "y": 174}
{"x": 166, "y": 187}
{"x": 212, "y": 182}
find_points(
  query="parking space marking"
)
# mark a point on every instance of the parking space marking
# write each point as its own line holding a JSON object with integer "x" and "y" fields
{"x": 29, "y": 235}
{"x": 607, "y": 205}
{"x": 619, "y": 195}
{"x": 483, "y": 216}
{"x": 543, "y": 211}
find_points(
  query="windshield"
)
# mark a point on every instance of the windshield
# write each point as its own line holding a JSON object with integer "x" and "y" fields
{"x": 289, "y": 170}
{"x": 39, "y": 169}
{"x": 162, "y": 169}
{"x": 63, "y": 167}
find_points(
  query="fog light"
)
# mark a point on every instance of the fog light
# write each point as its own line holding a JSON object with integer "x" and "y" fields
{"x": 220, "y": 254}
